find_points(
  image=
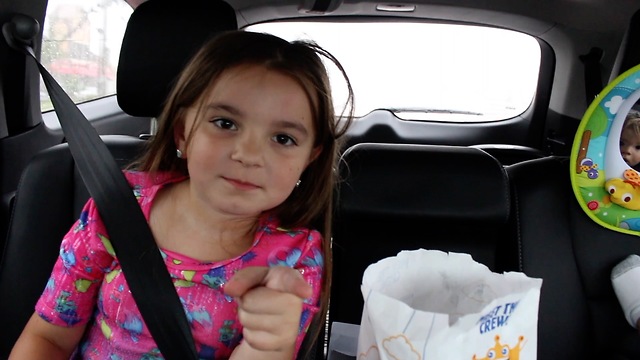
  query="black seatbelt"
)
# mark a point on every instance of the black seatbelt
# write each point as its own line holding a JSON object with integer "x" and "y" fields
{"x": 130, "y": 235}
{"x": 631, "y": 52}
{"x": 592, "y": 76}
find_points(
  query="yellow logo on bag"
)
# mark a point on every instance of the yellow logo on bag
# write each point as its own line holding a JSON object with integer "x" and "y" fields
{"x": 397, "y": 347}
{"x": 503, "y": 352}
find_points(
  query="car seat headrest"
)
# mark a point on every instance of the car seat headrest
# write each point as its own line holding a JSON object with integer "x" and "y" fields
{"x": 607, "y": 188}
{"x": 435, "y": 181}
{"x": 160, "y": 38}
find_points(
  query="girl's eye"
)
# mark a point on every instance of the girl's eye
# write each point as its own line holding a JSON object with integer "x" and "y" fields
{"x": 224, "y": 124}
{"x": 284, "y": 140}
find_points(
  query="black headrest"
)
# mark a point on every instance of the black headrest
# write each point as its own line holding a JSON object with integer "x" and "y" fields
{"x": 160, "y": 38}
{"x": 423, "y": 181}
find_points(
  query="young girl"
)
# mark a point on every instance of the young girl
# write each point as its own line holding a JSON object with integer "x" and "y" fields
{"x": 234, "y": 184}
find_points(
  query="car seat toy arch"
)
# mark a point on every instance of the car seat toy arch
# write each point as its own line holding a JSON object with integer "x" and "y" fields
{"x": 607, "y": 188}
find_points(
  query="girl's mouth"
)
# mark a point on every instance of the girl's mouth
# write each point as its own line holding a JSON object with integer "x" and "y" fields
{"x": 242, "y": 185}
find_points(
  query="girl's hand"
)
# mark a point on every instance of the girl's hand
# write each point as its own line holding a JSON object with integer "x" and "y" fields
{"x": 269, "y": 309}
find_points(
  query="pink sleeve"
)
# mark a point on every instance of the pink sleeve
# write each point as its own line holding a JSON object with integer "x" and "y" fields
{"x": 311, "y": 265}
{"x": 70, "y": 295}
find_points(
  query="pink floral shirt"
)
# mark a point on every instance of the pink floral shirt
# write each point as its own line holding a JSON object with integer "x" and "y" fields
{"x": 87, "y": 285}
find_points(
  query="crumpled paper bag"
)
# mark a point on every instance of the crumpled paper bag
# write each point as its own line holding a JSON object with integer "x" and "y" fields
{"x": 429, "y": 304}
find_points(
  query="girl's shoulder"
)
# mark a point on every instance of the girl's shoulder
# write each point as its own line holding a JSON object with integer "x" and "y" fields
{"x": 143, "y": 179}
{"x": 146, "y": 185}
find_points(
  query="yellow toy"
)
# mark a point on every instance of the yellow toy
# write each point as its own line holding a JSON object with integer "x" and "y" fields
{"x": 625, "y": 192}
{"x": 502, "y": 351}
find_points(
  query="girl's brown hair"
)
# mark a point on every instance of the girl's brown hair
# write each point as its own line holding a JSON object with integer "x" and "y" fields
{"x": 311, "y": 203}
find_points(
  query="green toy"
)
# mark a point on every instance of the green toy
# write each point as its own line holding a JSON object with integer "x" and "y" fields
{"x": 607, "y": 188}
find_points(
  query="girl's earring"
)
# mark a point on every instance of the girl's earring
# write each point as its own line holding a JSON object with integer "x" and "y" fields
{"x": 298, "y": 183}
{"x": 179, "y": 153}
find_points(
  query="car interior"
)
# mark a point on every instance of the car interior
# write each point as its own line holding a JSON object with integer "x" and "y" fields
{"x": 497, "y": 189}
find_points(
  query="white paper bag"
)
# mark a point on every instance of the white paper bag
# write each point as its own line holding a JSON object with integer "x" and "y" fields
{"x": 428, "y": 304}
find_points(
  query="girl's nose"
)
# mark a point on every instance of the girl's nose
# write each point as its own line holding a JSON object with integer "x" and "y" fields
{"x": 247, "y": 150}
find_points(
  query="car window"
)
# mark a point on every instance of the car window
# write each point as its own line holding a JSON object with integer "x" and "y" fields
{"x": 81, "y": 46}
{"x": 427, "y": 71}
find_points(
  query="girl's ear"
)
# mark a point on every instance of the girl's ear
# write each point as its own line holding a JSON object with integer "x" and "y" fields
{"x": 179, "y": 137}
{"x": 314, "y": 154}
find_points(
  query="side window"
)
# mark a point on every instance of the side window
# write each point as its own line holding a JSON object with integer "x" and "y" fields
{"x": 81, "y": 46}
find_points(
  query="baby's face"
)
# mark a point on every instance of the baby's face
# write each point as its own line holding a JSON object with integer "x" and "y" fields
{"x": 630, "y": 147}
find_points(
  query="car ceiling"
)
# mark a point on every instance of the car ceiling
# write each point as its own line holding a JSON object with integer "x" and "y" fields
{"x": 604, "y": 15}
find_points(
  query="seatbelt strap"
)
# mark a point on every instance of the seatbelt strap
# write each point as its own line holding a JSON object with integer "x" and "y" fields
{"x": 138, "y": 254}
{"x": 4, "y": 128}
{"x": 631, "y": 53}
{"x": 592, "y": 75}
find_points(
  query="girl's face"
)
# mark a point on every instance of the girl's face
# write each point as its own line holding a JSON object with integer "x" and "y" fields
{"x": 630, "y": 147}
{"x": 254, "y": 141}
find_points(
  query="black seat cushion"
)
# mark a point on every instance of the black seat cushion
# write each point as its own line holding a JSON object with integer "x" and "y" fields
{"x": 579, "y": 315}
{"x": 403, "y": 197}
{"x": 509, "y": 154}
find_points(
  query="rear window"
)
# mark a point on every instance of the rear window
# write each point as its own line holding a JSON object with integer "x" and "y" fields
{"x": 426, "y": 71}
